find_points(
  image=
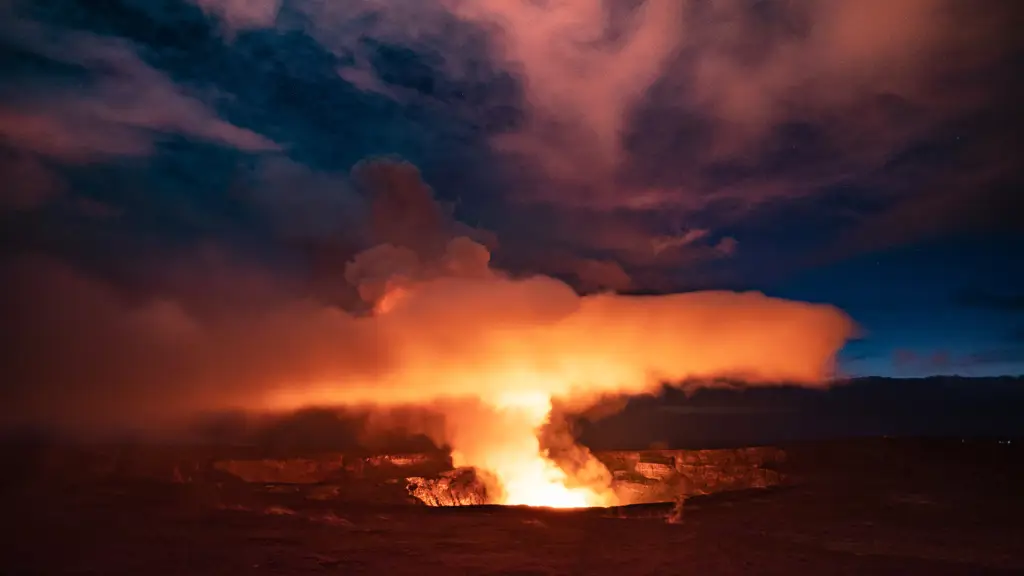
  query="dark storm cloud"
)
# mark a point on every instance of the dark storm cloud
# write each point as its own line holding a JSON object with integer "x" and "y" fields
{"x": 794, "y": 93}
{"x": 120, "y": 111}
{"x": 652, "y": 144}
{"x": 30, "y": 183}
{"x": 714, "y": 114}
{"x": 169, "y": 116}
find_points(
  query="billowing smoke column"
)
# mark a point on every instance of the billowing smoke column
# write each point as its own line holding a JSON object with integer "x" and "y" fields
{"x": 461, "y": 331}
{"x": 438, "y": 327}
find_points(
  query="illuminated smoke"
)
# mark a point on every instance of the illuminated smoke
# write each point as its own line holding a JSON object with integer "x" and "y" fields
{"x": 442, "y": 329}
{"x": 460, "y": 330}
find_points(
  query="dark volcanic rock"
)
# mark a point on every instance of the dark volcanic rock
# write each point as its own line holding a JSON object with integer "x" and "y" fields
{"x": 334, "y": 466}
{"x": 460, "y": 487}
{"x": 385, "y": 466}
{"x": 647, "y": 476}
{"x": 650, "y": 476}
{"x": 289, "y": 471}
{"x": 124, "y": 463}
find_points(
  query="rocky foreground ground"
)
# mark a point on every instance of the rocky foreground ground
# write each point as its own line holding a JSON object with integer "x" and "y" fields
{"x": 867, "y": 507}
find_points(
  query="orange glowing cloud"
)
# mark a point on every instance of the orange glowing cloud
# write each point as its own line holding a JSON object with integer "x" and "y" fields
{"x": 492, "y": 352}
{"x": 516, "y": 345}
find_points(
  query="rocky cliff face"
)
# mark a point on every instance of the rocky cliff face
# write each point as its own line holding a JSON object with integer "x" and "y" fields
{"x": 641, "y": 477}
{"x": 459, "y": 487}
{"x": 638, "y": 476}
{"x": 287, "y": 471}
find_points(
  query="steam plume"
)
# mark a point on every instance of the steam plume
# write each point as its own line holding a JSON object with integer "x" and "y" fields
{"x": 493, "y": 352}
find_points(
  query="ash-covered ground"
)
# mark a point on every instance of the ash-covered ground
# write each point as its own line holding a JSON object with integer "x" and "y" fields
{"x": 861, "y": 507}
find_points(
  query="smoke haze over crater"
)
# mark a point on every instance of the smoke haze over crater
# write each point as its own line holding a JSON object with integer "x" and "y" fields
{"x": 218, "y": 335}
{"x": 437, "y": 329}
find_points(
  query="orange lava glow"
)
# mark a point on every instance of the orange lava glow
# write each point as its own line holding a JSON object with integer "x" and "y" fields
{"x": 526, "y": 476}
{"x": 492, "y": 354}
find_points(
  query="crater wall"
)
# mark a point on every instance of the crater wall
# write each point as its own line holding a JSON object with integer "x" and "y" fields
{"x": 638, "y": 476}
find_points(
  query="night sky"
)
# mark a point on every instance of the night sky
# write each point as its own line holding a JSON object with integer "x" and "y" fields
{"x": 863, "y": 153}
